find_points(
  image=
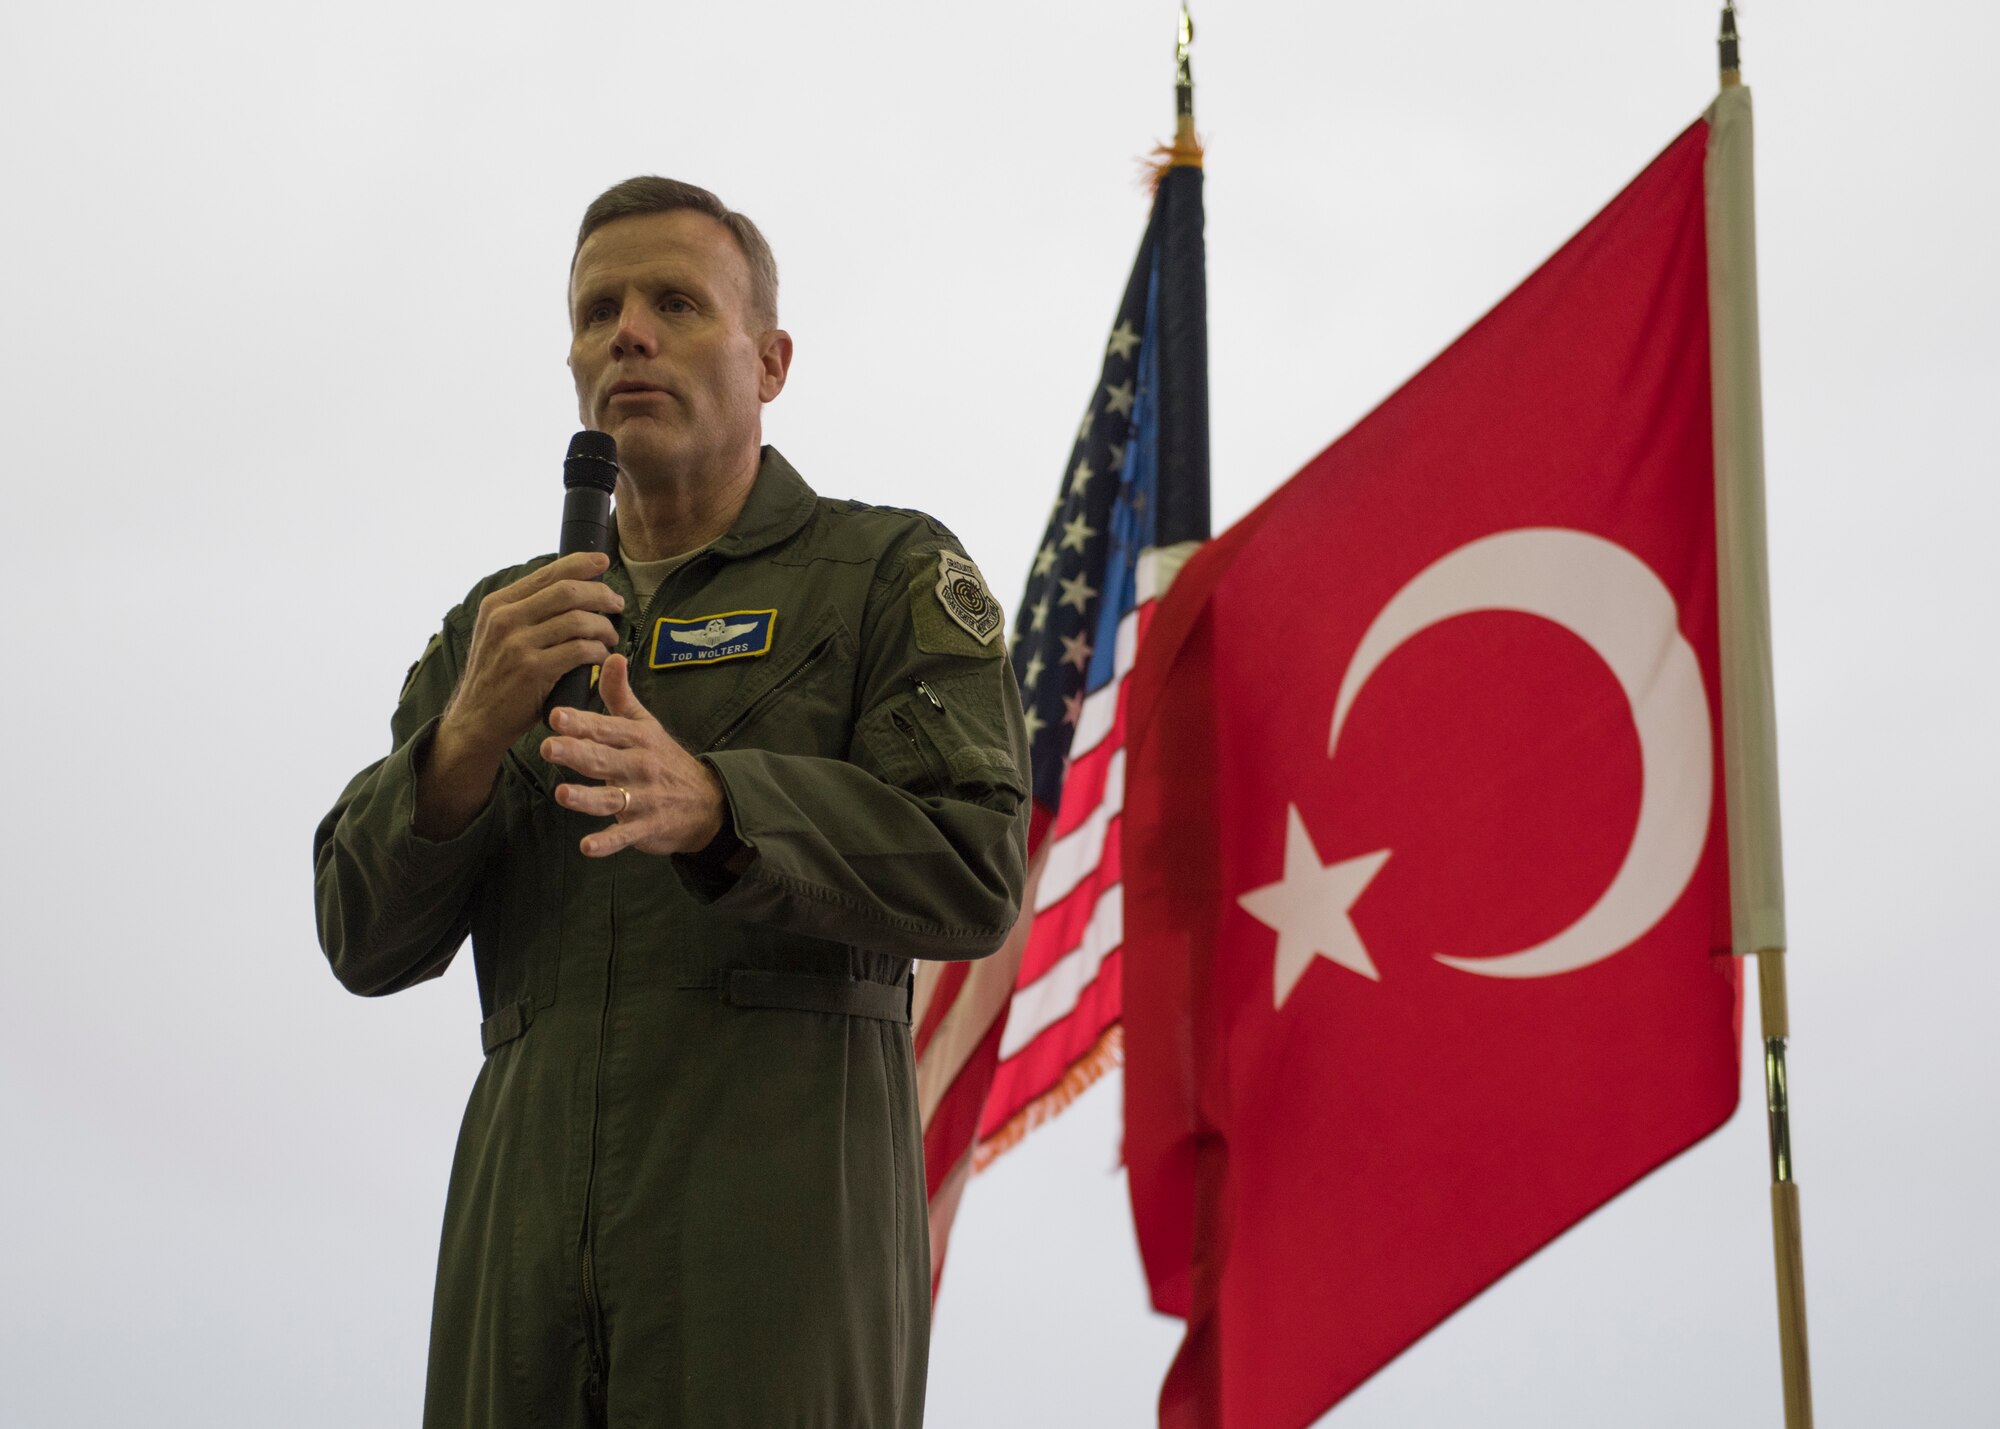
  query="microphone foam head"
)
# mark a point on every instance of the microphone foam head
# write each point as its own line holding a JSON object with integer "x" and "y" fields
{"x": 592, "y": 461}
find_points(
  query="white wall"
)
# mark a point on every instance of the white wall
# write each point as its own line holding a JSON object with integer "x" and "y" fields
{"x": 281, "y": 343}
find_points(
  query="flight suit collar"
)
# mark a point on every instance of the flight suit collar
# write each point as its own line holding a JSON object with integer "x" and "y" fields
{"x": 779, "y": 505}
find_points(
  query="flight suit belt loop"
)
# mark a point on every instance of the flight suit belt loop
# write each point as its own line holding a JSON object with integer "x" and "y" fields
{"x": 506, "y": 1024}
{"x": 806, "y": 992}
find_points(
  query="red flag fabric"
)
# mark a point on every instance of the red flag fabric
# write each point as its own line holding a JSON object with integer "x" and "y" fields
{"x": 1426, "y": 877}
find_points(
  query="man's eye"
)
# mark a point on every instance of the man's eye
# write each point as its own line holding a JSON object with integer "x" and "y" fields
{"x": 675, "y": 303}
{"x": 600, "y": 313}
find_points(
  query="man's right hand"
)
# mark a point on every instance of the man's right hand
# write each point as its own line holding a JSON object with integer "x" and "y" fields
{"x": 525, "y": 637}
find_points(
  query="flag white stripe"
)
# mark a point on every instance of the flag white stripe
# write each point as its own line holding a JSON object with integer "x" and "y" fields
{"x": 1146, "y": 584}
{"x": 1100, "y": 708}
{"x": 1076, "y": 853}
{"x": 1159, "y": 565}
{"x": 1053, "y": 996}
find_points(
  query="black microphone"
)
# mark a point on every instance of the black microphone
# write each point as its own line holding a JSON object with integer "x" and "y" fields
{"x": 590, "y": 471}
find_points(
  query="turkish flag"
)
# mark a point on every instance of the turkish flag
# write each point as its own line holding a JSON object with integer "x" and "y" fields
{"x": 1427, "y": 889}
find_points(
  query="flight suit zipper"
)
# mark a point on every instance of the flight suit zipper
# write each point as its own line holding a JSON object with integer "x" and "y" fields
{"x": 593, "y": 1311}
{"x": 757, "y": 705}
{"x": 593, "y": 1320}
{"x": 908, "y": 730}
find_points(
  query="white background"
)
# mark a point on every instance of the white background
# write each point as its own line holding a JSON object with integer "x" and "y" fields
{"x": 281, "y": 366}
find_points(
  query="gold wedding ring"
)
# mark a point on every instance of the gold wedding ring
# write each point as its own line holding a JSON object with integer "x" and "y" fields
{"x": 628, "y": 801}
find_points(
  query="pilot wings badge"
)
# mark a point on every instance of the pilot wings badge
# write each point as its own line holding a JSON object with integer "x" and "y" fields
{"x": 962, "y": 593}
{"x": 712, "y": 634}
{"x": 705, "y": 639}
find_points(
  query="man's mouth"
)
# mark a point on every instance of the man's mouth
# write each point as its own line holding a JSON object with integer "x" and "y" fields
{"x": 637, "y": 389}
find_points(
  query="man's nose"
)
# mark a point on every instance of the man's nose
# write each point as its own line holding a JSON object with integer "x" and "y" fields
{"x": 636, "y": 336}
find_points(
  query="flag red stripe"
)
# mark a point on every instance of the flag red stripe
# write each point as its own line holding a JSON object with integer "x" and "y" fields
{"x": 1060, "y": 928}
{"x": 1083, "y": 789}
{"x": 1043, "y": 1062}
{"x": 1038, "y": 826}
{"x": 956, "y": 1121}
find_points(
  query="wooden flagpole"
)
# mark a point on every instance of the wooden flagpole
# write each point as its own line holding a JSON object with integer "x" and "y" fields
{"x": 1786, "y": 1236}
{"x": 1749, "y": 723}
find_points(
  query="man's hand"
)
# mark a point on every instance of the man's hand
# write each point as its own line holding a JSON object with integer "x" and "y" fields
{"x": 662, "y": 798}
{"x": 525, "y": 637}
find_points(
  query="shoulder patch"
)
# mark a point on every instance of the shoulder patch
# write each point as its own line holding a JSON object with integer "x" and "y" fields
{"x": 950, "y": 606}
{"x": 961, "y": 590}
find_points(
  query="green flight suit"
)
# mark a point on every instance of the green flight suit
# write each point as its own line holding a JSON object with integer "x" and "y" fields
{"x": 689, "y": 1187}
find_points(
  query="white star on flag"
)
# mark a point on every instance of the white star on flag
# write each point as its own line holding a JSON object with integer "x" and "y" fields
{"x": 1121, "y": 399}
{"x": 1076, "y": 592}
{"x": 1123, "y": 340}
{"x": 1309, "y": 909}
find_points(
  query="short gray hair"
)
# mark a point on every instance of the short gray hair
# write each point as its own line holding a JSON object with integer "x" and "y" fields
{"x": 649, "y": 193}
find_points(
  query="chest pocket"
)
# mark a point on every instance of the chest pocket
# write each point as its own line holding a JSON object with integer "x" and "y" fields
{"x": 797, "y": 700}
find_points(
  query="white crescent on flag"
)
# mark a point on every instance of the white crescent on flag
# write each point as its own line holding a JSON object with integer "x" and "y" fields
{"x": 1613, "y": 601}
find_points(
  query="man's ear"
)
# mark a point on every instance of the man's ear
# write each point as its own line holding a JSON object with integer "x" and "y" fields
{"x": 776, "y": 356}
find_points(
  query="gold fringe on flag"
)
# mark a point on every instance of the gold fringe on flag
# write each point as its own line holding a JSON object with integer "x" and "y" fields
{"x": 1109, "y": 1052}
{"x": 1184, "y": 153}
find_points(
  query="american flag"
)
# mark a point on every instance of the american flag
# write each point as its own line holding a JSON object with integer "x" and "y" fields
{"x": 1009, "y": 1041}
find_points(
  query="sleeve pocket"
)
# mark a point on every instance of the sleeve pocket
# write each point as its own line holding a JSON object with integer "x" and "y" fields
{"x": 964, "y": 722}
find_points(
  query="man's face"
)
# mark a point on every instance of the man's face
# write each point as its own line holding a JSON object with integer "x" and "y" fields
{"x": 666, "y": 355}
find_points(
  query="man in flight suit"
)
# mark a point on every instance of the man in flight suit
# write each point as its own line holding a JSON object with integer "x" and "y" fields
{"x": 689, "y": 1189}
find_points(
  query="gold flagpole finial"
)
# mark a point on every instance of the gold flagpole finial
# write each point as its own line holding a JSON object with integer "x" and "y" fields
{"x": 1183, "y": 73}
{"x": 1187, "y": 148}
{"x": 1726, "y": 46}
{"x": 1184, "y": 81}
{"x": 1185, "y": 151}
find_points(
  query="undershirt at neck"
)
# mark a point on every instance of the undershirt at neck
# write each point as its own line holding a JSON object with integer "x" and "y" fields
{"x": 647, "y": 576}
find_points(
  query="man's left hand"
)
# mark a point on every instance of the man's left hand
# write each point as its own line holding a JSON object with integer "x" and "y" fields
{"x": 661, "y": 798}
